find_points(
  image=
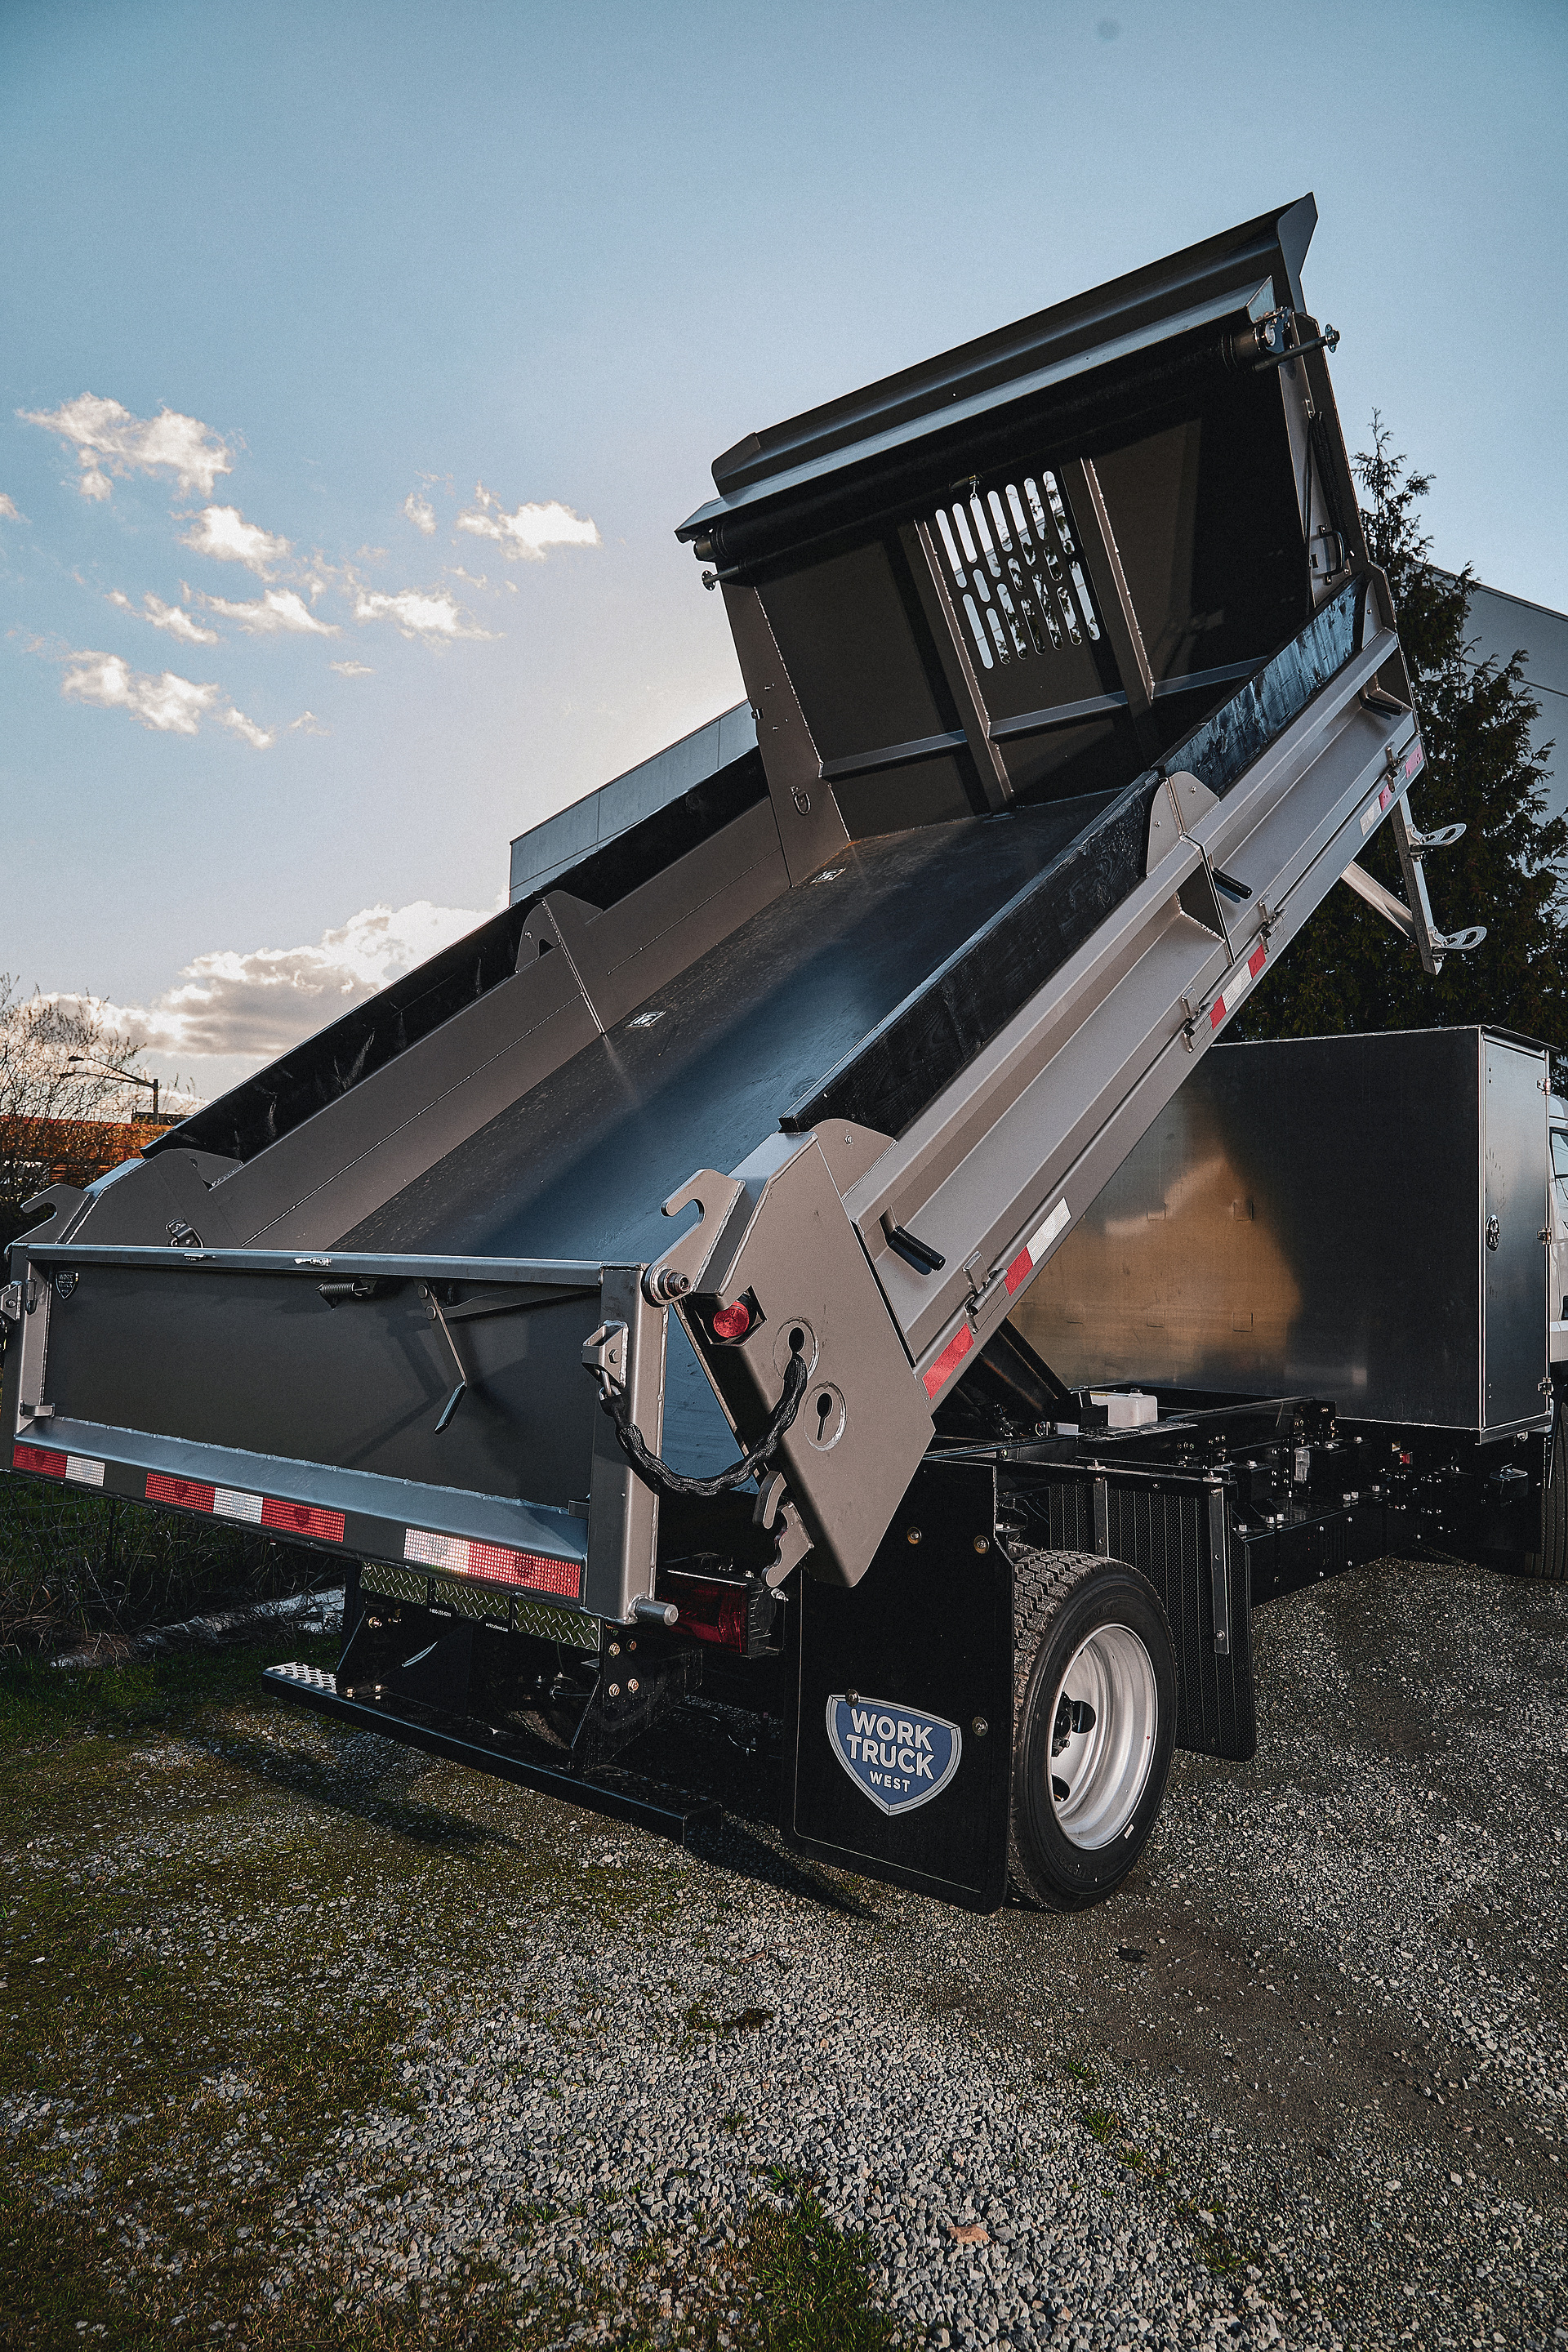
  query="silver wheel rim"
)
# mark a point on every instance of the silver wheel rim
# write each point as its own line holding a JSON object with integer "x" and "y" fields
{"x": 1103, "y": 1721}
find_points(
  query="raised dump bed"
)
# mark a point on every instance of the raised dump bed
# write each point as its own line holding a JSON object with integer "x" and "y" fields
{"x": 1074, "y": 692}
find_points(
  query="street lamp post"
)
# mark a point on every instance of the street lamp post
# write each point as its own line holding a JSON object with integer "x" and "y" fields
{"x": 125, "y": 1077}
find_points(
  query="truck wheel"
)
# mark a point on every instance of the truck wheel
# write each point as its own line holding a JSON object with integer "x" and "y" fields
{"x": 1094, "y": 1720}
{"x": 1550, "y": 1562}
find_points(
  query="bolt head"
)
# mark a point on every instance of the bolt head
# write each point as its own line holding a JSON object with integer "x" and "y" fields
{"x": 980, "y": 1727}
{"x": 913, "y": 1535}
{"x": 981, "y": 1543}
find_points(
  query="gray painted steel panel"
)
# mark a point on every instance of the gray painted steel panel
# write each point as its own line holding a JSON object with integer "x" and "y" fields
{"x": 261, "y": 1362}
{"x": 705, "y": 1071}
{"x": 548, "y": 849}
{"x": 1309, "y": 1216}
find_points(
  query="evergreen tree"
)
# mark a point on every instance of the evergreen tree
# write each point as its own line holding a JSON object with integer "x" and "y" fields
{"x": 1347, "y": 968}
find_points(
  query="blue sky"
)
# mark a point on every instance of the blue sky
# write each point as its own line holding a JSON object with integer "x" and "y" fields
{"x": 457, "y": 305}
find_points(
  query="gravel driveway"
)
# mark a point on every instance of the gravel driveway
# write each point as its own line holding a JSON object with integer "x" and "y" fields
{"x": 1303, "y": 2082}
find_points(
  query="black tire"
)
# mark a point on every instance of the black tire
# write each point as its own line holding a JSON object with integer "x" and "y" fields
{"x": 1060, "y": 1857}
{"x": 1549, "y": 1564}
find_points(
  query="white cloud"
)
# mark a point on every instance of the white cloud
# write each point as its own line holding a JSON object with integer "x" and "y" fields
{"x": 258, "y": 736}
{"x": 169, "y": 704}
{"x": 420, "y": 513}
{"x": 223, "y": 532}
{"x": 172, "y": 705}
{"x": 173, "y": 618}
{"x": 309, "y": 721}
{"x": 8, "y": 508}
{"x": 353, "y": 669}
{"x": 280, "y": 609}
{"x": 260, "y": 1002}
{"x": 530, "y": 530}
{"x": 109, "y": 440}
{"x": 433, "y": 615}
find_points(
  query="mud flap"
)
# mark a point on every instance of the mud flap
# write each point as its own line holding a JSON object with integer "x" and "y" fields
{"x": 898, "y": 1735}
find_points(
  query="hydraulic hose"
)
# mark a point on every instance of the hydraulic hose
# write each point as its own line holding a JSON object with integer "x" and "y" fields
{"x": 666, "y": 1481}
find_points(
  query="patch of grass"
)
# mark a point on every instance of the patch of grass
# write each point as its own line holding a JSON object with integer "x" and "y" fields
{"x": 208, "y": 1899}
{"x": 1102, "y": 2125}
{"x": 1080, "y": 2071}
{"x": 56, "y": 2294}
{"x": 1215, "y": 2248}
{"x": 223, "y": 1922}
{"x": 745, "y": 2020}
{"x": 39, "y": 1702}
{"x": 74, "y": 1567}
{"x": 802, "y": 2284}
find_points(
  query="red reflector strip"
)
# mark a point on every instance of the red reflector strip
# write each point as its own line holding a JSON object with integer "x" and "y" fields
{"x": 1038, "y": 1243}
{"x": 1383, "y": 800}
{"x": 77, "y": 1469}
{"x": 531, "y": 1571}
{"x": 255, "y": 1510}
{"x": 948, "y": 1362}
{"x": 1414, "y": 760}
{"x": 183, "y": 1493}
{"x": 39, "y": 1459}
{"x": 302, "y": 1520}
{"x": 1238, "y": 981}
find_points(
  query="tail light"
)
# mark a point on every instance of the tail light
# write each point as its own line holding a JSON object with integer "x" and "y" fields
{"x": 710, "y": 1611}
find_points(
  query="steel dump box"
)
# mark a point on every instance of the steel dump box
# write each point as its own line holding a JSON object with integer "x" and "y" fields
{"x": 1075, "y": 693}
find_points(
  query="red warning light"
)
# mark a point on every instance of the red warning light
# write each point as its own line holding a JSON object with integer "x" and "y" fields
{"x": 732, "y": 1322}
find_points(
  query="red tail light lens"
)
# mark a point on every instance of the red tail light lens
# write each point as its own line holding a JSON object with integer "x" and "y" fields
{"x": 710, "y": 1612}
{"x": 732, "y": 1322}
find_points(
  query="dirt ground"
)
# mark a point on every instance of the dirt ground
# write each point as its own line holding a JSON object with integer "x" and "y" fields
{"x": 309, "y": 2039}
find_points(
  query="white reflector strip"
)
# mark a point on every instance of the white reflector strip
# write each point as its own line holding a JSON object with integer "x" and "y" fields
{"x": 83, "y": 1471}
{"x": 1036, "y": 1245}
{"x": 1379, "y": 805}
{"x": 1045, "y": 1234}
{"x": 533, "y": 1571}
{"x": 437, "y": 1551}
{"x": 228, "y": 1504}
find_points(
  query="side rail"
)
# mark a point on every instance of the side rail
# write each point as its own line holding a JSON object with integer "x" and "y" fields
{"x": 432, "y": 1410}
{"x": 1249, "y": 828}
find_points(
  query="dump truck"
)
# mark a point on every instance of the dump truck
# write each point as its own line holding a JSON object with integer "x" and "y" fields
{"x": 638, "y": 1298}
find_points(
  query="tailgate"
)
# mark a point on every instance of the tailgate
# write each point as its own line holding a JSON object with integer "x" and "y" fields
{"x": 433, "y": 1410}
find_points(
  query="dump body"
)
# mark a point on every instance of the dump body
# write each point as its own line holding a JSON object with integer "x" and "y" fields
{"x": 1075, "y": 693}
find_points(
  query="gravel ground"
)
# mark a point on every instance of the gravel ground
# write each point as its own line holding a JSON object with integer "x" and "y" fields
{"x": 1304, "y": 2081}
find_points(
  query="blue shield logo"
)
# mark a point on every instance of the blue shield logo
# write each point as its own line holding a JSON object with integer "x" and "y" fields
{"x": 895, "y": 1755}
